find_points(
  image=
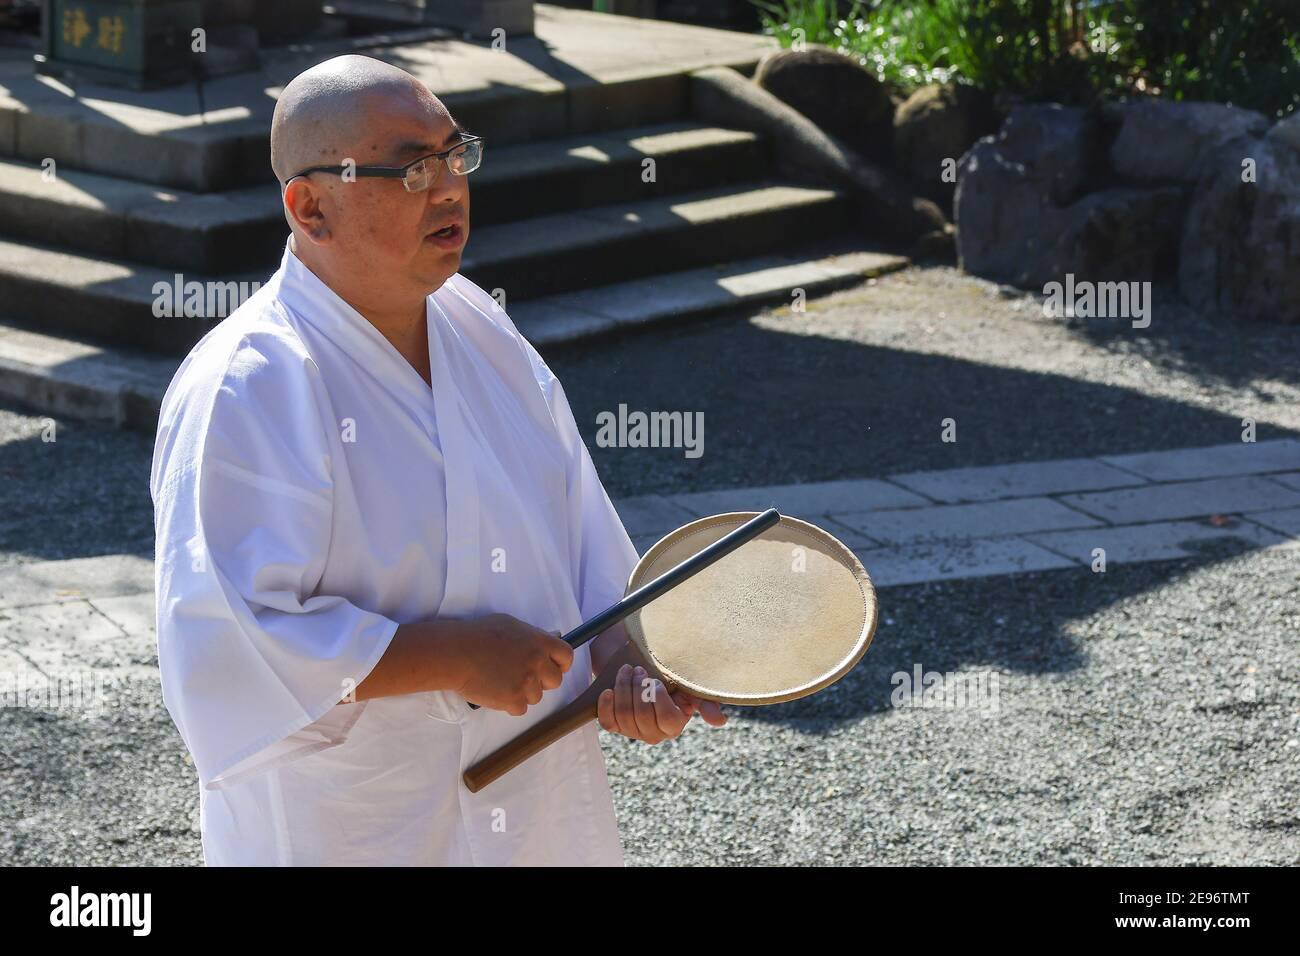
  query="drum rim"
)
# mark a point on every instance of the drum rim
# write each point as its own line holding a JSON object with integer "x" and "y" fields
{"x": 736, "y": 518}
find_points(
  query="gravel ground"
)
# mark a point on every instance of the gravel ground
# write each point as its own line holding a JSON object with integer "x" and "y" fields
{"x": 108, "y": 789}
{"x": 1150, "y": 715}
{"x": 1147, "y": 715}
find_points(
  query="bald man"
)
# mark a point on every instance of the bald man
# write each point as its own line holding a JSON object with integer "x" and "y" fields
{"x": 372, "y": 508}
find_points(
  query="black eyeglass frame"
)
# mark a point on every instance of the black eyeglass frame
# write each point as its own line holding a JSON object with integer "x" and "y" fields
{"x": 392, "y": 172}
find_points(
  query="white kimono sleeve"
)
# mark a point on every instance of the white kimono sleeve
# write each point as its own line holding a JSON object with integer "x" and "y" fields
{"x": 253, "y": 659}
{"x": 604, "y": 555}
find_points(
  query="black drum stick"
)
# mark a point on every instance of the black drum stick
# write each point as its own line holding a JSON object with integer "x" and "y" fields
{"x": 661, "y": 585}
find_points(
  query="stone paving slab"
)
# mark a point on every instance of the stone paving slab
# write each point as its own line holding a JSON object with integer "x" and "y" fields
{"x": 133, "y": 613}
{"x": 956, "y": 522}
{"x": 902, "y": 535}
{"x": 1157, "y": 541}
{"x": 807, "y": 500}
{"x": 1284, "y": 520}
{"x": 648, "y": 514}
{"x": 851, "y": 538}
{"x": 50, "y": 582}
{"x": 1289, "y": 480}
{"x": 1216, "y": 461}
{"x": 1190, "y": 499}
{"x": 66, "y": 635}
{"x": 917, "y": 563}
{"x": 71, "y": 655}
{"x": 907, "y": 540}
{"x": 1016, "y": 481}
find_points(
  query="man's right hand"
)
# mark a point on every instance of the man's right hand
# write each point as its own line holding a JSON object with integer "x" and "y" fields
{"x": 508, "y": 664}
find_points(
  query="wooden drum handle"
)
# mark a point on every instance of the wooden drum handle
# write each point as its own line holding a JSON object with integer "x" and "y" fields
{"x": 566, "y": 720}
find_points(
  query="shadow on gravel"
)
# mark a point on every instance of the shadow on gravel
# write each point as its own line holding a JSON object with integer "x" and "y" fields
{"x": 781, "y": 409}
{"x": 1220, "y": 349}
{"x": 85, "y": 493}
{"x": 1005, "y": 624}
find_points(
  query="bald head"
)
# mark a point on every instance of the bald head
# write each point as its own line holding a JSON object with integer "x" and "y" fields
{"x": 379, "y": 245}
{"x": 329, "y": 112}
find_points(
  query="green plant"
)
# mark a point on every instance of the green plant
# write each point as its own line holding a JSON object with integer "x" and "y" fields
{"x": 1246, "y": 53}
{"x": 1067, "y": 50}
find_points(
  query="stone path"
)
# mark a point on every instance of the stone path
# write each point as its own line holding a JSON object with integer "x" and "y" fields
{"x": 83, "y": 626}
{"x": 96, "y": 614}
{"x": 1004, "y": 519}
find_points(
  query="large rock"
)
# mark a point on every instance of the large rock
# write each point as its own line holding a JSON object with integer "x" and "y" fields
{"x": 1240, "y": 252}
{"x": 1025, "y": 216}
{"x": 836, "y": 93}
{"x": 1287, "y": 131}
{"x": 997, "y": 211}
{"x": 1009, "y": 184}
{"x": 807, "y": 153}
{"x": 1057, "y": 148}
{"x": 938, "y": 123}
{"x": 1129, "y": 234}
{"x": 1164, "y": 141}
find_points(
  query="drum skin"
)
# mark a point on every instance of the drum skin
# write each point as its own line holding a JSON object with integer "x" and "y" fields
{"x": 780, "y": 618}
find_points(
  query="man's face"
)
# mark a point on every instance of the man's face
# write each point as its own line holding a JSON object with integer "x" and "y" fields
{"x": 399, "y": 240}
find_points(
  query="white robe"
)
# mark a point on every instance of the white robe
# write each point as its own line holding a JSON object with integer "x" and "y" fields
{"x": 312, "y": 493}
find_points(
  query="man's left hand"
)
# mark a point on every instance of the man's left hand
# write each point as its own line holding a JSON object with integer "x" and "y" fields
{"x": 639, "y": 706}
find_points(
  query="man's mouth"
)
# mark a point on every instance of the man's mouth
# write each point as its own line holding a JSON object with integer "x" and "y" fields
{"x": 448, "y": 237}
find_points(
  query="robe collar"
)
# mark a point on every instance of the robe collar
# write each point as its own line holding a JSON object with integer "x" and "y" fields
{"x": 302, "y": 291}
{"x": 440, "y": 408}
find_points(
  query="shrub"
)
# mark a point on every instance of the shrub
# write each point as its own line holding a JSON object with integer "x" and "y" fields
{"x": 1066, "y": 50}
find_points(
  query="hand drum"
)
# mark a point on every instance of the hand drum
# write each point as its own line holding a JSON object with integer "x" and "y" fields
{"x": 783, "y": 616}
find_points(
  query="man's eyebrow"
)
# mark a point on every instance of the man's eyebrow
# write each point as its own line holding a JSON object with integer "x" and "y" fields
{"x": 423, "y": 148}
{"x": 457, "y": 132}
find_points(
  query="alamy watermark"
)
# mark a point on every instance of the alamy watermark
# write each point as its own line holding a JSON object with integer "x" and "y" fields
{"x": 624, "y": 429}
{"x": 956, "y": 690}
{"x": 1098, "y": 300}
{"x": 200, "y": 300}
{"x": 75, "y": 908}
{"x": 91, "y": 692}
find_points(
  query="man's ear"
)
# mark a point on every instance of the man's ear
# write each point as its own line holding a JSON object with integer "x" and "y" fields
{"x": 303, "y": 206}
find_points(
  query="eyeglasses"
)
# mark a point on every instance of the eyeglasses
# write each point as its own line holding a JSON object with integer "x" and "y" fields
{"x": 419, "y": 174}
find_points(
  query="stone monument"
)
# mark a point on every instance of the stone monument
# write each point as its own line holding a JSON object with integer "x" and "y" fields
{"x": 477, "y": 18}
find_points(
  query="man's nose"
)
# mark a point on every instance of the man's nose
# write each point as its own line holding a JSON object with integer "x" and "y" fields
{"x": 447, "y": 186}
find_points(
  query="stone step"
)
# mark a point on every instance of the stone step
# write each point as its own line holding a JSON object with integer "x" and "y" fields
{"x": 64, "y": 376}
{"x": 113, "y": 301}
{"x": 101, "y": 300}
{"x": 581, "y": 72}
{"x": 586, "y": 249}
{"x": 695, "y": 293}
{"x": 71, "y": 378}
{"x": 245, "y": 229}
